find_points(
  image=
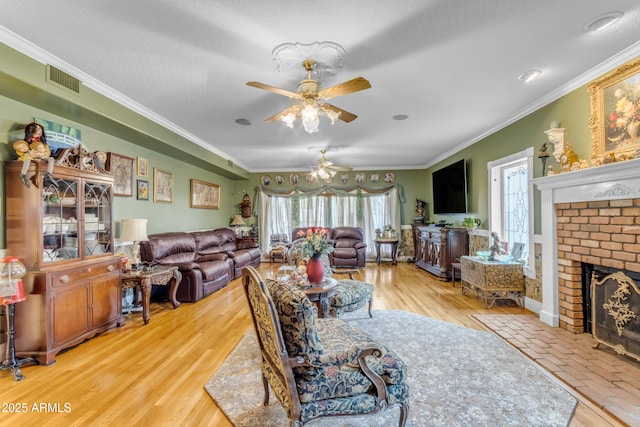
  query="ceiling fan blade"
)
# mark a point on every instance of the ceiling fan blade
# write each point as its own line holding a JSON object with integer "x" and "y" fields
{"x": 281, "y": 114}
{"x": 354, "y": 85}
{"x": 340, "y": 168}
{"x": 345, "y": 116}
{"x": 274, "y": 90}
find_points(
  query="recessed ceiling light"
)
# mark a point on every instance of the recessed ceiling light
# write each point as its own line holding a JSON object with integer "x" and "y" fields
{"x": 400, "y": 117}
{"x": 603, "y": 21}
{"x": 243, "y": 122}
{"x": 530, "y": 75}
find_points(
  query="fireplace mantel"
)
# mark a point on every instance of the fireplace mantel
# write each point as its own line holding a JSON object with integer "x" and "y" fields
{"x": 607, "y": 182}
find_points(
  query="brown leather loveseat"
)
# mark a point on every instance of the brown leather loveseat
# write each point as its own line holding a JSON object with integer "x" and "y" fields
{"x": 208, "y": 260}
{"x": 349, "y": 248}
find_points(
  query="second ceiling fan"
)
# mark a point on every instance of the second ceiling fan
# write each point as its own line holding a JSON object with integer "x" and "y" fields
{"x": 326, "y": 169}
{"x": 308, "y": 102}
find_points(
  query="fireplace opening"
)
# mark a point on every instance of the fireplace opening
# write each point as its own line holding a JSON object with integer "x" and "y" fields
{"x": 611, "y": 305}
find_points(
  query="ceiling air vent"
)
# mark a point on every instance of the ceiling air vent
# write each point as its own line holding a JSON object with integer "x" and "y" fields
{"x": 60, "y": 78}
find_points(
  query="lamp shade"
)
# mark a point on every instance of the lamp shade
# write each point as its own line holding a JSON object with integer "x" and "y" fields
{"x": 237, "y": 220}
{"x": 134, "y": 230}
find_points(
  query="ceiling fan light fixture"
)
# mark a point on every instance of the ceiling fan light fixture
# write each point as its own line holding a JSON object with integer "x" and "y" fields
{"x": 332, "y": 115}
{"x": 310, "y": 118}
{"x": 324, "y": 173}
{"x": 289, "y": 119}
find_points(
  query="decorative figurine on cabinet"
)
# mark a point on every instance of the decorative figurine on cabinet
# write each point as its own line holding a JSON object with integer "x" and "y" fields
{"x": 421, "y": 206}
{"x": 34, "y": 147}
{"x": 245, "y": 206}
{"x": 496, "y": 247}
{"x": 544, "y": 155}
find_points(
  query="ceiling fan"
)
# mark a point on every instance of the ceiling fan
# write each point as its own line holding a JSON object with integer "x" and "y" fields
{"x": 326, "y": 169}
{"x": 308, "y": 101}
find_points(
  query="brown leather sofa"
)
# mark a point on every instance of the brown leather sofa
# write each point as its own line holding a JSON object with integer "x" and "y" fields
{"x": 208, "y": 260}
{"x": 349, "y": 249}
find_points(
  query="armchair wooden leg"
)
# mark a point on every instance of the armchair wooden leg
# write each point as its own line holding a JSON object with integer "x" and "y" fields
{"x": 404, "y": 414}
{"x": 370, "y": 304}
{"x": 265, "y": 384}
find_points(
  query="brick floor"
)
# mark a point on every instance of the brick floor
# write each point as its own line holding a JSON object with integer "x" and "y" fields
{"x": 608, "y": 380}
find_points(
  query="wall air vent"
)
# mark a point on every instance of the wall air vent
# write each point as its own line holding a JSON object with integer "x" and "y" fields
{"x": 62, "y": 79}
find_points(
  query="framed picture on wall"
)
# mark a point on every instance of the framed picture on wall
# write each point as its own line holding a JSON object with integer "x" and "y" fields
{"x": 615, "y": 115}
{"x": 204, "y": 195}
{"x": 143, "y": 189}
{"x": 143, "y": 167}
{"x": 121, "y": 167}
{"x": 162, "y": 186}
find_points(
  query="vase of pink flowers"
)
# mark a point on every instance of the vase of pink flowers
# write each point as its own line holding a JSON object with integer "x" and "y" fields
{"x": 314, "y": 245}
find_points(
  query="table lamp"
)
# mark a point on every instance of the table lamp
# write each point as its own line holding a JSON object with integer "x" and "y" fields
{"x": 237, "y": 221}
{"x": 134, "y": 230}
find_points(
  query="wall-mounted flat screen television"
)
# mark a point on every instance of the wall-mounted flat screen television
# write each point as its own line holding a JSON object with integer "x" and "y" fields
{"x": 450, "y": 189}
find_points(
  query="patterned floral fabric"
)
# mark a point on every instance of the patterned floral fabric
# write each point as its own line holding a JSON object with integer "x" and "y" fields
{"x": 347, "y": 379}
{"x": 334, "y": 384}
{"x": 352, "y": 295}
{"x": 297, "y": 319}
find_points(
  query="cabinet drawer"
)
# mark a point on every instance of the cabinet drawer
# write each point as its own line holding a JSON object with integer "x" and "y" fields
{"x": 71, "y": 276}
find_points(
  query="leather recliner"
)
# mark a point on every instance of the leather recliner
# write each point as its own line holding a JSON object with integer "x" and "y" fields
{"x": 349, "y": 248}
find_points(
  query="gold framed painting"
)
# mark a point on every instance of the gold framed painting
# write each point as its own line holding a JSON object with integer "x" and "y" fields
{"x": 615, "y": 115}
{"x": 143, "y": 166}
{"x": 121, "y": 167}
{"x": 162, "y": 186}
{"x": 204, "y": 195}
{"x": 143, "y": 189}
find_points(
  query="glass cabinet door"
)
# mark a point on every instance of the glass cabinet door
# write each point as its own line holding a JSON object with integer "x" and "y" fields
{"x": 59, "y": 220}
{"x": 97, "y": 219}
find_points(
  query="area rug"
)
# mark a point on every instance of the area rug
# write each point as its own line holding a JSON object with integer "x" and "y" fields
{"x": 457, "y": 377}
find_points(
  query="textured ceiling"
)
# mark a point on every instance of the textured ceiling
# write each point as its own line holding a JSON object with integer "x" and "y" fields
{"x": 450, "y": 65}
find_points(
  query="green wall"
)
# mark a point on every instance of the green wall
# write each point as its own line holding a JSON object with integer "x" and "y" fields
{"x": 175, "y": 216}
{"x": 412, "y": 182}
{"x": 572, "y": 111}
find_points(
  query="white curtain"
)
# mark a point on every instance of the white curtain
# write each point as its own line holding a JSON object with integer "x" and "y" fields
{"x": 279, "y": 213}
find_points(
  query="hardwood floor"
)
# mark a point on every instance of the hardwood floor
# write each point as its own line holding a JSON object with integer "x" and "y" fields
{"x": 154, "y": 375}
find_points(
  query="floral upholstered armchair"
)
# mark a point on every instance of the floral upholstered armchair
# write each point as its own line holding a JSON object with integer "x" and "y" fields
{"x": 320, "y": 367}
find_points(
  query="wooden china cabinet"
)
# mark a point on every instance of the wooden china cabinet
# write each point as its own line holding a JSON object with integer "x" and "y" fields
{"x": 62, "y": 231}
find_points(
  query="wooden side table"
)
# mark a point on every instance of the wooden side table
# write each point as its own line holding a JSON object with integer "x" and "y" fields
{"x": 394, "y": 247}
{"x": 321, "y": 295}
{"x": 159, "y": 275}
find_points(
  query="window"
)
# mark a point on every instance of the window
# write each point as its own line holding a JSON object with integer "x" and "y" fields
{"x": 282, "y": 213}
{"x": 511, "y": 204}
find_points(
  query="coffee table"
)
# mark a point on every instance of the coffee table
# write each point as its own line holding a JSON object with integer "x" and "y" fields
{"x": 158, "y": 275}
{"x": 321, "y": 295}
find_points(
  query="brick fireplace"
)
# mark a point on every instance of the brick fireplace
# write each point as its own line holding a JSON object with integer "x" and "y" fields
{"x": 588, "y": 216}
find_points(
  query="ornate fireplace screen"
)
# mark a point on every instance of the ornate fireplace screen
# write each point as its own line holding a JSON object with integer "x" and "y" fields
{"x": 616, "y": 313}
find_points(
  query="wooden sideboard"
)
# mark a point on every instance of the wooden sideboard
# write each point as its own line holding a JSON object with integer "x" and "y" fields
{"x": 439, "y": 247}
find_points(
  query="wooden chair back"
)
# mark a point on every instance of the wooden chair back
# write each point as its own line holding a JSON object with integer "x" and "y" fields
{"x": 276, "y": 364}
